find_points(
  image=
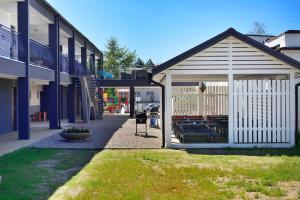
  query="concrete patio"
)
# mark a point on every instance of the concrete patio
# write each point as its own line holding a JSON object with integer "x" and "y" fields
{"x": 9, "y": 142}
{"x": 113, "y": 132}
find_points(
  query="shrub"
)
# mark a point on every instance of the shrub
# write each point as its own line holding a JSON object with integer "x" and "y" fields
{"x": 76, "y": 130}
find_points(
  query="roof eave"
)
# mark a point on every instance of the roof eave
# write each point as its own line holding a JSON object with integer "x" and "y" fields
{"x": 218, "y": 38}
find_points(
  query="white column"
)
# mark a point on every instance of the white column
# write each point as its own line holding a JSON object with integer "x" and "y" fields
{"x": 292, "y": 107}
{"x": 160, "y": 122}
{"x": 168, "y": 109}
{"x": 230, "y": 109}
{"x": 230, "y": 97}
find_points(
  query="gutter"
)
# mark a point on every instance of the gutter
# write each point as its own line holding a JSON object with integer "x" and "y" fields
{"x": 162, "y": 107}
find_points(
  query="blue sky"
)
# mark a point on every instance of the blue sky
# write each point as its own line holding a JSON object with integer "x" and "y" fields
{"x": 162, "y": 29}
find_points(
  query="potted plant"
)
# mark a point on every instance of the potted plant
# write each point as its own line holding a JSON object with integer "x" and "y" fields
{"x": 75, "y": 133}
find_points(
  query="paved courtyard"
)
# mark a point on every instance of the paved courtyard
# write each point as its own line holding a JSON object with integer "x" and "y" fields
{"x": 9, "y": 142}
{"x": 114, "y": 131}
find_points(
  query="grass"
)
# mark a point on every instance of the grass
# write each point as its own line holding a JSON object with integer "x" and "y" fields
{"x": 195, "y": 174}
{"x": 32, "y": 173}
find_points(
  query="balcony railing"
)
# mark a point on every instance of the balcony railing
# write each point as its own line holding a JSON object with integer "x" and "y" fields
{"x": 91, "y": 64}
{"x": 64, "y": 63}
{"x": 41, "y": 54}
{"x": 124, "y": 74}
{"x": 11, "y": 45}
{"x": 78, "y": 67}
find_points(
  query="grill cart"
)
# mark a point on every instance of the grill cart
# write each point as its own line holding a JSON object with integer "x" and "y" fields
{"x": 140, "y": 118}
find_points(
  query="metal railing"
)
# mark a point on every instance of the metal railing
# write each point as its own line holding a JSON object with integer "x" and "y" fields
{"x": 78, "y": 67}
{"x": 91, "y": 64}
{"x": 11, "y": 45}
{"x": 124, "y": 74}
{"x": 64, "y": 63}
{"x": 41, "y": 54}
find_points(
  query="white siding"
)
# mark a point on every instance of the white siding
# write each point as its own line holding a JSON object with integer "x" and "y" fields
{"x": 292, "y": 53}
{"x": 292, "y": 40}
{"x": 35, "y": 95}
{"x": 217, "y": 57}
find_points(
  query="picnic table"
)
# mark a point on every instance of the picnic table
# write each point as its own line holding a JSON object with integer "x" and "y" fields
{"x": 206, "y": 128}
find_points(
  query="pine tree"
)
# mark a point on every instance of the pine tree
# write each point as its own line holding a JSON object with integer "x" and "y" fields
{"x": 139, "y": 63}
{"x": 150, "y": 64}
{"x": 117, "y": 58}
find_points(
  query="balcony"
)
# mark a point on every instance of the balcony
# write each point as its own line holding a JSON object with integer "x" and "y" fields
{"x": 41, "y": 55}
{"x": 11, "y": 44}
{"x": 12, "y": 47}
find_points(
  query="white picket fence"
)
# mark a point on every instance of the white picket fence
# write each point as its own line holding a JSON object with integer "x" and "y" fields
{"x": 261, "y": 111}
{"x": 191, "y": 101}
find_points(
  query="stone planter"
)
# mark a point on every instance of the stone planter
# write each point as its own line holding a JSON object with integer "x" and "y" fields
{"x": 75, "y": 136}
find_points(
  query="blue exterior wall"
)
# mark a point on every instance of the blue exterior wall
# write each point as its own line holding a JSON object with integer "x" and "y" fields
{"x": 6, "y": 105}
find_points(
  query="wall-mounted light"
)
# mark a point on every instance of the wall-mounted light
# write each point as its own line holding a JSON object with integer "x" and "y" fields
{"x": 202, "y": 87}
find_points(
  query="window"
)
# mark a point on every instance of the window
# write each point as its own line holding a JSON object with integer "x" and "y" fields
{"x": 122, "y": 95}
{"x": 150, "y": 96}
{"x": 137, "y": 96}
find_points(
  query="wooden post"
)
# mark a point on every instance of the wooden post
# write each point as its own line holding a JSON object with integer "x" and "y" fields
{"x": 168, "y": 109}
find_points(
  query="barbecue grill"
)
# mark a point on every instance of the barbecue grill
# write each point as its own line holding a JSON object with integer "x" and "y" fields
{"x": 140, "y": 118}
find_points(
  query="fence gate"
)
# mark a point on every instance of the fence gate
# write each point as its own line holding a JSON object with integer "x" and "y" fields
{"x": 261, "y": 111}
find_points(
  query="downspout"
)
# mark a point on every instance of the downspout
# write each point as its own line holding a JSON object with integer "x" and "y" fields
{"x": 162, "y": 107}
{"x": 296, "y": 109}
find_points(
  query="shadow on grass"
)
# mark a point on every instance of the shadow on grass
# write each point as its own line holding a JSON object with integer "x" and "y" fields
{"x": 33, "y": 173}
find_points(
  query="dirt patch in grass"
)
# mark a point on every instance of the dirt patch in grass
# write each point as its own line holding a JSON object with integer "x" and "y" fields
{"x": 292, "y": 189}
{"x": 258, "y": 189}
{"x": 59, "y": 176}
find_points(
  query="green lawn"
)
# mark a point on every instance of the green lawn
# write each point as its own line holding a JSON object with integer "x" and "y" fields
{"x": 179, "y": 174}
{"x": 37, "y": 173}
{"x": 151, "y": 174}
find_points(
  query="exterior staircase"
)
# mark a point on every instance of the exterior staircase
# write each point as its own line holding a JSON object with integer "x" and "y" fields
{"x": 91, "y": 103}
{"x": 95, "y": 98}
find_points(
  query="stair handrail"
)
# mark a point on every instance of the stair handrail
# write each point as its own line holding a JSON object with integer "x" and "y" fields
{"x": 88, "y": 92}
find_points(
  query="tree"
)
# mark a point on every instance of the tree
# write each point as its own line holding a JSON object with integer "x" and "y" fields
{"x": 139, "y": 63}
{"x": 117, "y": 58}
{"x": 258, "y": 29}
{"x": 150, "y": 63}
